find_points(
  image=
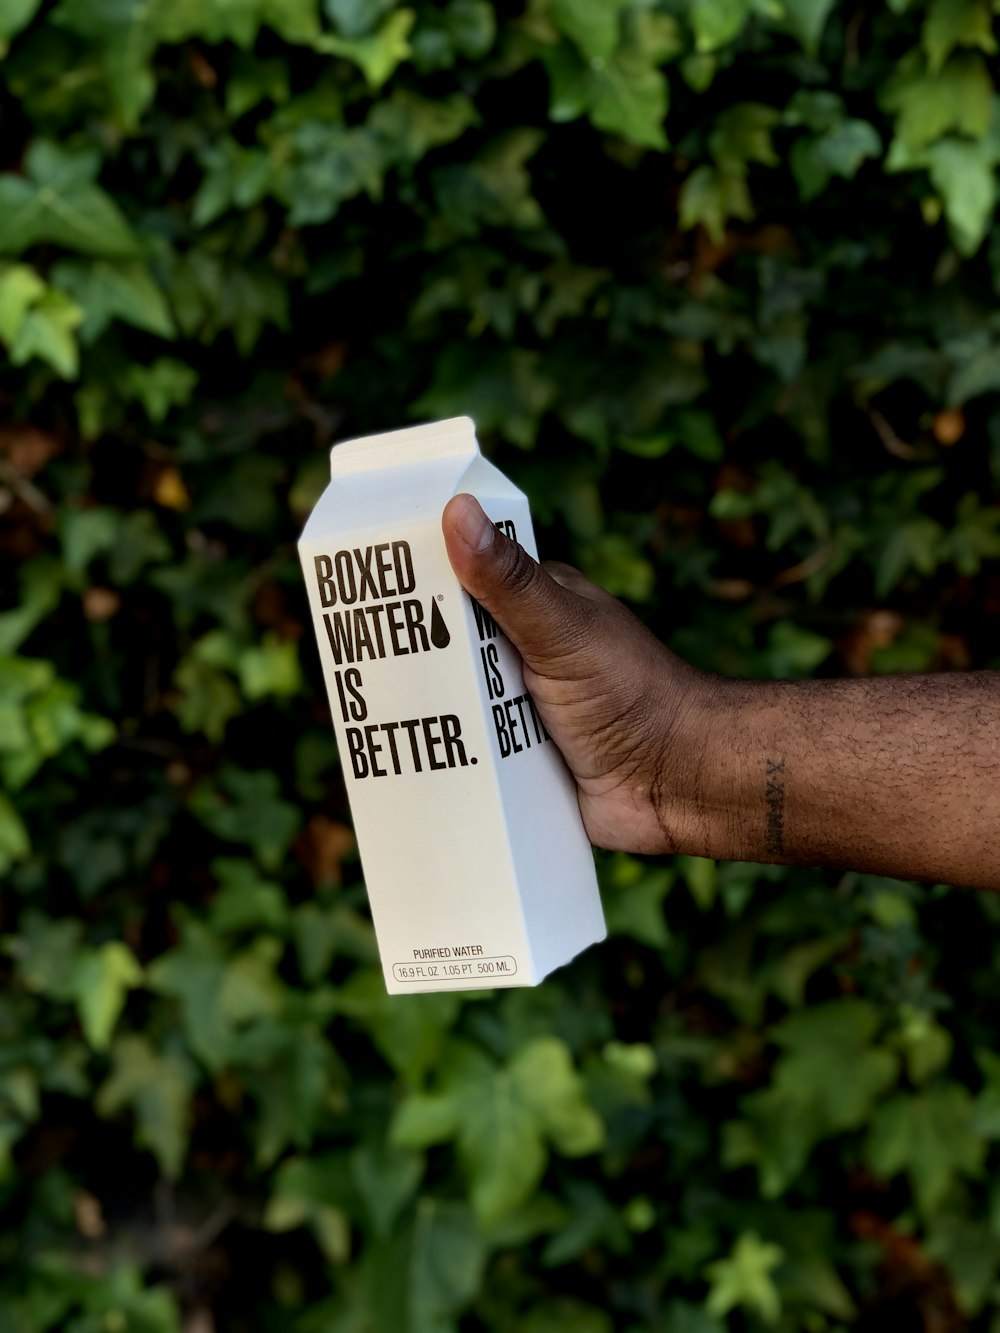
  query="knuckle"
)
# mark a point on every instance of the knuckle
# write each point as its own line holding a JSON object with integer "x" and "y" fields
{"x": 560, "y": 569}
{"x": 517, "y": 571}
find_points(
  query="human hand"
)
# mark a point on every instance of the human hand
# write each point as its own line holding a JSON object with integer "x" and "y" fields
{"x": 896, "y": 775}
{"x": 626, "y": 713}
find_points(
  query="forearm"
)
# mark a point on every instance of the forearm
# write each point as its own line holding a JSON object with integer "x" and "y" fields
{"x": 896, "y": 775}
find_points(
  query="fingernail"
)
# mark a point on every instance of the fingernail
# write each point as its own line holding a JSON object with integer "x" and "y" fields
{"x": 474, "y": 529}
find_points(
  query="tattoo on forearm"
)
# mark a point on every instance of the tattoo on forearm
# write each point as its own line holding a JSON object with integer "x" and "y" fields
{"x": 774, "y": 797}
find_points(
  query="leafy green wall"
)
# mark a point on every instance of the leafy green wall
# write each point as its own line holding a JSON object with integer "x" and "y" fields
{"x": 716, "y": 279}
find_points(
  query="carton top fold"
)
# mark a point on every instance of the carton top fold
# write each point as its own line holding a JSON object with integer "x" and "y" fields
{"x": 454, "y": 438}
{"x": 403, "y": 477}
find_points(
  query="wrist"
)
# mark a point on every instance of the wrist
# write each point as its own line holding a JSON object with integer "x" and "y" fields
{"x": 717, "y": 789}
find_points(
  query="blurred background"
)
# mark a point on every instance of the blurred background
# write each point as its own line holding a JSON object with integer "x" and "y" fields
{"x": 718, "y": 281}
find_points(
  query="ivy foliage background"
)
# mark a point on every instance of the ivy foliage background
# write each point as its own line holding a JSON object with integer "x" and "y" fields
{"x": 718, "y": 281}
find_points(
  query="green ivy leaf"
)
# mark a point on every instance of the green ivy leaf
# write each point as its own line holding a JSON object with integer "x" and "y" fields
{"x": 244, "y": 807}
{"x": 446, "y": 1262}
{"x": 311, "y": 1192}
{"x": 296, "y": 21}
{"x": 52, "y": 718}
{"x": 321, "y": 934}
{"x": 930, "y": 1137}
{"x": 107, "y": 290}
{"x": 630, "y": 98}
{"x": 211, "y": 293}
{"x": 613, "y": 561}
{"x": 974, "y": 536}
{"x": 270, "y": 668}
{"x": 501, "y": 1118}
{"x": 47, "y": 953}
{"x": 355, "y": 18}
{"x": 806, "y": 19}
{"x": 207, "y": 699}
{"x": 927, "y": 105}
{"x": 157, "y": 1087}
{"x": 743, "y": 1280}
{"x": 716, "y": 23}
{"x": 41, "y": 590}
{"x": 964, "y": 174}
{"x": 223, "y": 999}
{"x": 14, "y": 843}
{"x": 625, "y": 95}
{"x": 47, "y": 330}
{"x": 742, "y": 134}
{"x": 292, "y": 1082}
{"x": 386, "y": 1179}
{"x": 494, "y": 189}
{"x": 462, "y": 28}
{"x": 126, "y": 34}
{"x": 827, "y": 1080}
{"x": 633, "y": 901}
{"x": 57, "y": 201}
{"x": 915, "y": 544}
{"x": 925, "y": 1045}
{"x": 103, "y": 978}
{"x": 14, "y": 16}
{"x": 411, "y": 1037}
{"x": 542, "y": 1074}
{"x": 653, "y": 37}
{"x": 593, "y": 1221}
{"x": 974, "y": 374}
{"x": 815, "y": 109}
{"x": 408, "y": 126}
{"x": 161, "y": 385}
{"x": 793, "y": 652}
{"x": 506, "y": 392}
{"x": 711, "y": 196}
{"x": 85, "y": 534}
{"x": 378, "y": 55}
{"x": 245, "y": 901}
{"x": 20, "y": 288}
{"x": 970, "y": 1250}
{"x": 699, "y": 873}
{"x": 837, "y": 151}
{"x": 592, "y": 25}
{"x": 951, "y": 23}
{"x": 253, "y": 81}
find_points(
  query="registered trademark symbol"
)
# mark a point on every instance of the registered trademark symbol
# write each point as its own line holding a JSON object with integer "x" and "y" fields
{"x": 440, "y": 596}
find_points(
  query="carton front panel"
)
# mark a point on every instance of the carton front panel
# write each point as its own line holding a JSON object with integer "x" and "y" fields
{"x": 402, "y": 681}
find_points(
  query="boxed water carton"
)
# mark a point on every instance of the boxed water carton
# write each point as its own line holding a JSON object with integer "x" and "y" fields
{"x": 475, "y": 858}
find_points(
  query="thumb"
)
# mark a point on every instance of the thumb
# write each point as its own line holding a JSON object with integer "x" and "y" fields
{"x": 542, "y": 619}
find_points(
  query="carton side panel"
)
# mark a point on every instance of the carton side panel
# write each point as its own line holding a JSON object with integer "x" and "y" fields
{"x": 552, "y": 856}
{"x": 560, "y": 895}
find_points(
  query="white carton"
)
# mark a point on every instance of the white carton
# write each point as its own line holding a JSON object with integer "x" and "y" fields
{"x": 477, "y": 865}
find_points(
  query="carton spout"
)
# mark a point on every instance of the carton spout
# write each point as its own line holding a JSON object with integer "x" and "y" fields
{"x": 454, "y": 438}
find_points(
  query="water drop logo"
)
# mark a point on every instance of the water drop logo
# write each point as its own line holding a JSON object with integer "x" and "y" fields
{"x": 440, "y": 634}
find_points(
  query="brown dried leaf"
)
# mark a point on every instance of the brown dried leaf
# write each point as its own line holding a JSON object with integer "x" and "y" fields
{"x": 322, "y": 847}
{"x": 100, "y": 604}
{"x": 948, "y": 426}
{"x": 27, "y": 449}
